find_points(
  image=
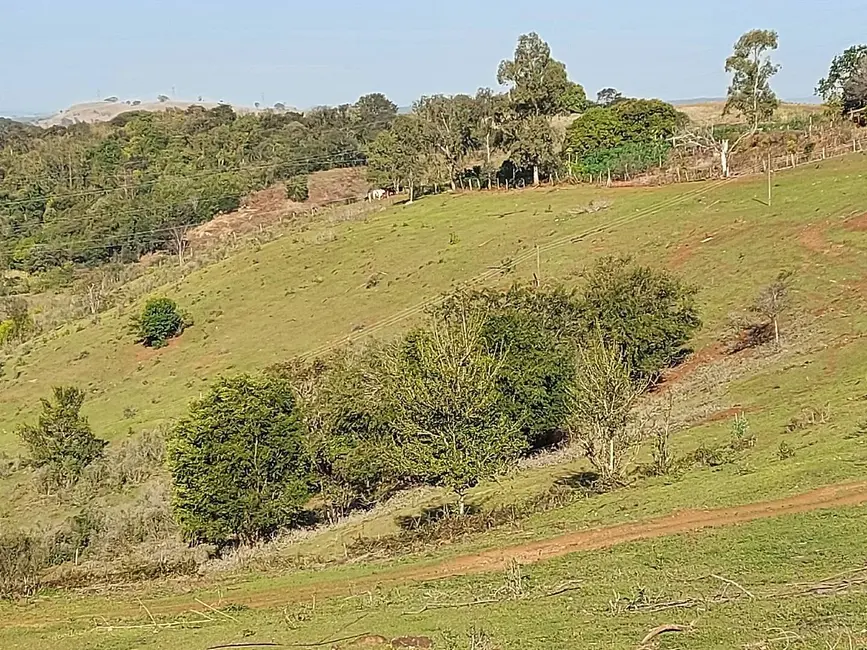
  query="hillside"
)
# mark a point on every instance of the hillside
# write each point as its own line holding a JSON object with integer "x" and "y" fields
{"x": 103, "y": 111}
{"x": 711, "y": 112}
{"x": 306, "y": 292}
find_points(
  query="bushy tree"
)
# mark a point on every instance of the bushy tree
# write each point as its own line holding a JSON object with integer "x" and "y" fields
{"x": 239, "y": 465}
{"x": 62, "y": 440}
{"x": 397, "y": 157}
{"x": 608, "y": 96}
{"x": 844, "y": 66}
{"x": 448, "y": 129}
{"x": 573, "y": 99}
{"x": 296, "y": 189}
{"x": 159, "y": 321}
{"x": 751, "y": 67}
{"x": 532, "y": 145}
{"x": 345, "y": 434}
{"x": 537, "y": 83}
{"x": 532, "y": 328}
{"x": 632, "y": 121}
{"x": 439, "y": 387}
{"x": 855, "y": 90}
{"x": 647, "y": 315}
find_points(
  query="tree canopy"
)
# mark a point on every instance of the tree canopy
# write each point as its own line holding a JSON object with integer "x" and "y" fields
{"x": 751, "y": 67}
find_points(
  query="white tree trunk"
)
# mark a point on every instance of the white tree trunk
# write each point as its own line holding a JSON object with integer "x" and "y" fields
{"x": 724, "y": 157}
{"x": 535, "y": 174}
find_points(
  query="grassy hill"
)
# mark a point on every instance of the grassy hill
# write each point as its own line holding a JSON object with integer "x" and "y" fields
{"x": 765, "y": 582}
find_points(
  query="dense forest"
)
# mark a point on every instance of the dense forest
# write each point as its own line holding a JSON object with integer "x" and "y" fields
{"x": 91, "y": 193}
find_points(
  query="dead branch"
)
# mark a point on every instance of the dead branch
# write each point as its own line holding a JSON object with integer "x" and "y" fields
{"x": 569, "y": 585}
{"x": 469, "y": 603}
{"x": 662, "y": 629}
{"x": 217, "y": 611}
{"x": 734, "y": 584}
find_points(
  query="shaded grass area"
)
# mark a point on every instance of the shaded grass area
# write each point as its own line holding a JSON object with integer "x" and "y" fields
{"x": 799, "y": 572}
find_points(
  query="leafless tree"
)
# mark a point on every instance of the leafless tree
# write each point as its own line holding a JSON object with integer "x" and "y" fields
{"x": 603, "y": 418}
{"x": 773, "y": 301}
{"x": 180, "y": 244}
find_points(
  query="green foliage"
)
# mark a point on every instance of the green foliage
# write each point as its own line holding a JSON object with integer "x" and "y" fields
{"x": 573, "y": 99}
{"x": 296, "y": 189}
{"x": 538, "y": 84}
{"x": 648, "y": 315}
{"x": 91, "y": 193}
{"x": 62, "y": 440}
{"x": 17, "y": 323}
{"x": 603, "y": 398}
{"x": 159, "y": 321}
{"x": 439, "y": 387}
{"x": 22, "y": 559}
{"x": 844, "y": 66}
{"x": 532, "y": 330}
{"x": 634, "y": 121}
{"x": 345, "y": 433}
{"x": 750, "y": 92}
{"x": 239, "y": 466}
{"x": 532, "y": 145}
{"x": 630, "y": 157}
{"x": 608, "y": 96}
{"x": 396, "y": 157}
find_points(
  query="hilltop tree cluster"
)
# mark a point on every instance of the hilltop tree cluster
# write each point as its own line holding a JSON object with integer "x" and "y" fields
{"x": 90, "y": 193}
{"x": 491, "y": 376}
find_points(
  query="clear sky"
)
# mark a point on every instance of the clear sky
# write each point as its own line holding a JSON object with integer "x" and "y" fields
{"x": 303, "y": 53}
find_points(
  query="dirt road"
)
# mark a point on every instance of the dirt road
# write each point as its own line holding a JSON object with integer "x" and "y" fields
{"x": 834, "y": 496}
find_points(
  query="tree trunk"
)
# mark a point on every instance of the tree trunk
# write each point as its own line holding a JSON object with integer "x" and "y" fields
{"x": 535, "y": 174}
{"x": 452, "y": 182}
{"x": 724, "y": 158}
{"x": 776, "y": 332}
{"x": 462, "y": 506}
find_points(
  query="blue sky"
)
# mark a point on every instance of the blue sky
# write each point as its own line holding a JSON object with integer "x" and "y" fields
{"x": 54, "y": 52}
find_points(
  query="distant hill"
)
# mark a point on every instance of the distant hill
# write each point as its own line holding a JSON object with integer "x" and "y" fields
{"x": 104, "y": 111}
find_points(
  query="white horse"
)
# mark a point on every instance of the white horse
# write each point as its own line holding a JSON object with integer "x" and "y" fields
{"x": 376, "y": 195}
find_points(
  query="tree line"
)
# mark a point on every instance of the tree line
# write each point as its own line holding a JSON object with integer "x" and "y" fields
{"x": 86, "y": 194}
{"x": 90, "y": 193}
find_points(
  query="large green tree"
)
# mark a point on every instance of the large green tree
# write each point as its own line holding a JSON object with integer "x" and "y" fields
{"x": 448, "y": 129}
{"x": 844, "y": 66}
{"x": 750, "y": 65}
{"x": 398, "y": 157}
{"x": 240, "y": 468}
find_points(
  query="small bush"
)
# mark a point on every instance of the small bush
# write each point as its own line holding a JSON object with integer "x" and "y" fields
{"x": 785, "y": 451}
{"x": 62, "y": 441}
{"x": 159, "y": 321}
{"x": 22, "y": 560}
{"x": 296, "y": 189}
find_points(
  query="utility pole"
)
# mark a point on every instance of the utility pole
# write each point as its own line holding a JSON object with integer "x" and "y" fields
{"x": 770, "y": 183}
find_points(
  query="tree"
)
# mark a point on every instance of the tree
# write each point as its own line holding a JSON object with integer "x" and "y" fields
{"x": 533, "y": 145}
{"x": 396, "y": 157}
{"x": 608, "y": 96}
{"x": 439, "y": 387}
{"x": 603, "y": 400}
{"x": 750, "y": 92}
{"x": 843, "y": 68}
{"x": 773, "y": 301}
{"x": 296, "y": 188}
{"x": 238, "y": 462}
{"x": 489, "y": 115}
{"x": 573, "y": 99}
{"x": 62, "y": 439}
{"x": 447, "y": 124}
{"x": 371, "y": 114}
{"x": 855, "y": 91}
{"x": 530, "y": 327}
{"x": 537, "y": 83}
{"x": 159, "y": 321}
{"x": 647, "y": 315}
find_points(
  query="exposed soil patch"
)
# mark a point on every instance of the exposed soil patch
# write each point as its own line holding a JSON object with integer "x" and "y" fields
{"x": 857, "y": 224}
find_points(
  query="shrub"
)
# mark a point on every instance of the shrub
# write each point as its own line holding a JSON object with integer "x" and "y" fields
{"x": 239, "y": 467}
{"x": 530, "y": 328}
{"x": 296, "y": 189}
{"x": 159, "y": 321}
{"x": 22, "y": 559}
{"x": 439, "y": 389}
{"x": 346, "y": 436}
{"x": 650, "y": 315}
{"x": 62, "y": 440}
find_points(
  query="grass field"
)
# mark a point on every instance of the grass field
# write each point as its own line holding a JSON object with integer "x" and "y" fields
{"x": 307, "y": 291}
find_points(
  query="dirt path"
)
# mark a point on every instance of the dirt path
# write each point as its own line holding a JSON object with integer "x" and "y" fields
{"x": 685, "y": 521}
